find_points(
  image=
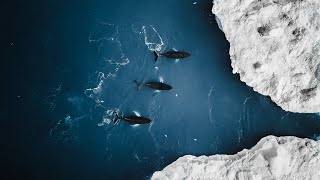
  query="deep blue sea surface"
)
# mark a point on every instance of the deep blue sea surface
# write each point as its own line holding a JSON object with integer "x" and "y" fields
{"x": 70, "y": 64}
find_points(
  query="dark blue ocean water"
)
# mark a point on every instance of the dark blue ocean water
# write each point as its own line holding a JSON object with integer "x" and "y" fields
{"x": 70, "y": 64}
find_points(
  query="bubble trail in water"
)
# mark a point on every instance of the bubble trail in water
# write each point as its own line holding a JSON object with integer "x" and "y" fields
{"x": 66, "y": 130}
{"x": 51, "y": 99}
{"x": 210, "y": 105}
{"x": 151, "y": 33}
{"x": 121, "y": 60}
{"x": 107, "y": 35}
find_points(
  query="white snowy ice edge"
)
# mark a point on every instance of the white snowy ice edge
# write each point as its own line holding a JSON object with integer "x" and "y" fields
{"x": 275, "y": 48}
{"x": 272, "y": 158}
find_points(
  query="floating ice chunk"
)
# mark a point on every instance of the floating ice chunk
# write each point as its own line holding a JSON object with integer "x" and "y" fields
{"x": 274, "y": 47}
{"x": 165, "y": 136}
{"x": 194, "y": 2}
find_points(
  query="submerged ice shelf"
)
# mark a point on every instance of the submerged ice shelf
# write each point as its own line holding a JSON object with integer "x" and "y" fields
{"x": 272, "y": 157}
{"x": 275, "y": 48}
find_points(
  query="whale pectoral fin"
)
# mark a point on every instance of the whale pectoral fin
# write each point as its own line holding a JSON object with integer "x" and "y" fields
{"x": 156, "y": 56}
{"x": 155, "y": 92}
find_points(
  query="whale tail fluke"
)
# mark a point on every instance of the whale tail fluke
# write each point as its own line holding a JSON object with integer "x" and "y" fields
{"x": 156, "y": 56}
{"x": 138, "y": 85}
{"x": 116, "y": 118}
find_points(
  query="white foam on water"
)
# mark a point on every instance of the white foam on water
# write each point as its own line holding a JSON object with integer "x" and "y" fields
{"x": 165, "y": 135}
{"x": 195, "y": 3}
{"x": 66, "y": 130}
{"x": 110, "y": 112}
{"x": 152, "y": 38}
{"x": 51, "y": 99}
{"x": 91, "y": 92}
{"x": 105, "y": 121}
{"x": 177, "y": 60}
{"x": 104, "y": 40}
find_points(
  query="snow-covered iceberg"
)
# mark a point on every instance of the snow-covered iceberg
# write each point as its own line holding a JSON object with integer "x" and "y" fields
{"x": 272, "y": 158}
{"x": 275, "y": 48}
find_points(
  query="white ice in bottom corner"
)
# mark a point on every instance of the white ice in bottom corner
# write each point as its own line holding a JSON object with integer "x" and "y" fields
{"x": 272, "y": 158}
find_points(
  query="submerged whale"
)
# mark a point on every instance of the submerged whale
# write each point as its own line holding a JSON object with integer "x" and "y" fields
{"x": 131, "y": 119}
{"x": 153, "y": 85}
{"x": 171, "y": 54}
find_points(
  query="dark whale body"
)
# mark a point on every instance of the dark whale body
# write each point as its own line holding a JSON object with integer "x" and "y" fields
{"x": 171, "y": 54}
{"x": 154, "y": 85}
{"x": 132, "y": 119}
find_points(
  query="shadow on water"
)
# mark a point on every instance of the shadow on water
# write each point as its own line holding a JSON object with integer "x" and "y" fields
{"x": 89, "y": 58}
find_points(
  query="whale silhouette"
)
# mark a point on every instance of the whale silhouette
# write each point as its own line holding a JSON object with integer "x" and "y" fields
{"x": 171, "y": 54}
{"x": 131, "y": 119}
{"x": 153, "y": 85}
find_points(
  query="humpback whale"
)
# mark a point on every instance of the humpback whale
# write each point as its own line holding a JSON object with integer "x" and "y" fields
{"x": 153, "y": 85}
{"x": 171, "y": 54}
{"x": 131, "y": 119}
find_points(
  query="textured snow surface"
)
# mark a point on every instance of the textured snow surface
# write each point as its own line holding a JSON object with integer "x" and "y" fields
{"x": 275, "y": 48}
{"x": 272, "y": 158}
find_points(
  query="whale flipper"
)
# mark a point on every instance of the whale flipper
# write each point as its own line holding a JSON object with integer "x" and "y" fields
{"x": 156, "y": 56}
